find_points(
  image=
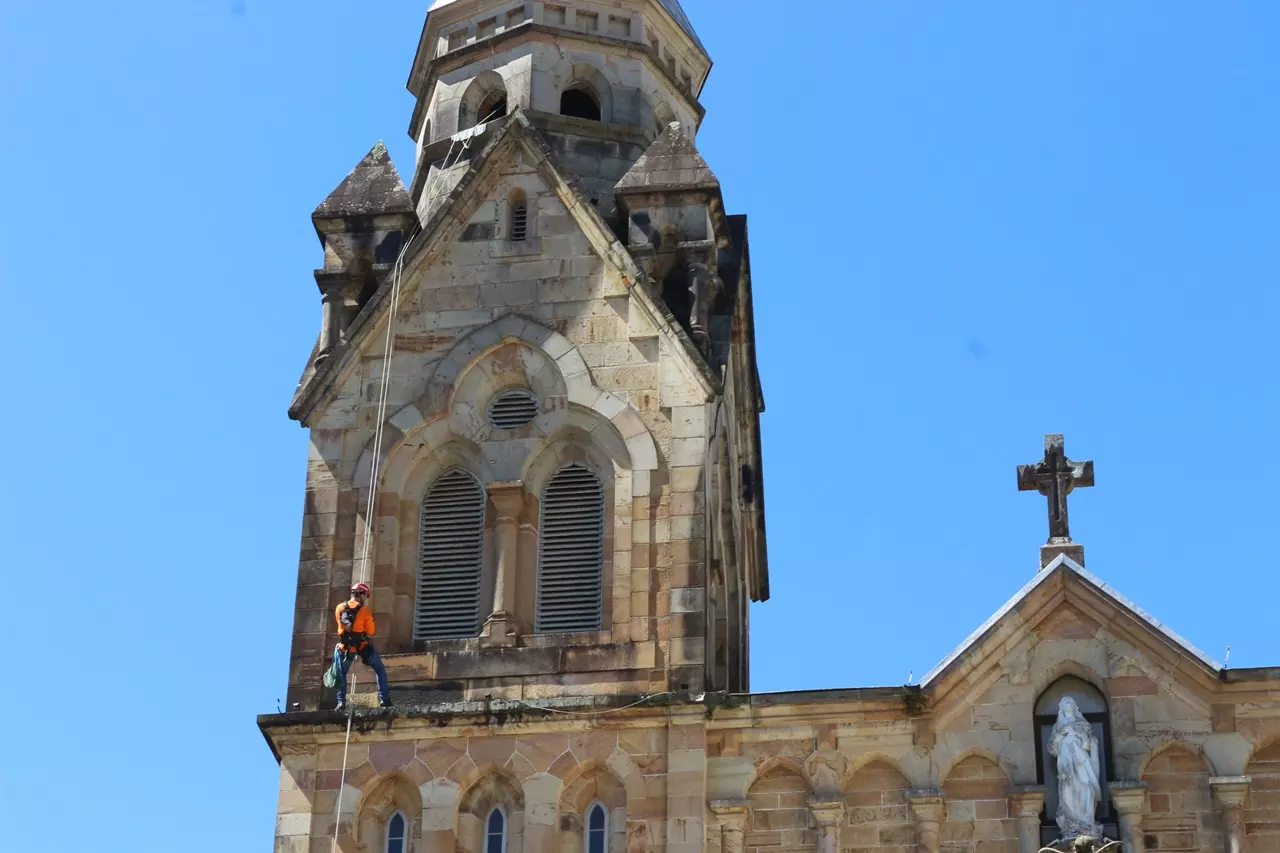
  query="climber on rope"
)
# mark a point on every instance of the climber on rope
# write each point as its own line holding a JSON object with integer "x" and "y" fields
{"x": 355, "y": 627}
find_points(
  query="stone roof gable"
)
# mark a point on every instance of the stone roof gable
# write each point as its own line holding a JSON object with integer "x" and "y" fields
{"x": 373, "y": 187}
{"x": 317, "y": 382}
{"x": 672, "y": 162}
{"x": 1062, "y": 579}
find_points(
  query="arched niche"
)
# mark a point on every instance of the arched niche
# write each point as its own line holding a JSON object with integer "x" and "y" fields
{"x": 778, "y": 805}
{"x": 493, "y": 790}
{"x": 977, "y": 793}
{"x": 1180, "y": 804}
{"x": 593, "y": 786}
{"x": 1093, "y": 706}
{"x": 877, "y": 793}
{"x": 384, "y": 798}
{"x": 1263, "y": 770}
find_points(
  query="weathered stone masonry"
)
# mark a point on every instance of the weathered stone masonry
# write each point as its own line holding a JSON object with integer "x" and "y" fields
{"x": 563, "y": 238}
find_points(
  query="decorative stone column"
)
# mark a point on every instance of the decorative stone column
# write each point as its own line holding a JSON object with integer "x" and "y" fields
{"x": 1028, "y": 805}
{"x": 331, "y": 288}
{"x": 508, "y": 501}
{"x": 732, "y": 816}
{"x": 1130, "y": 799}
{"x": 929, "y": 810}
{"x": 1230, "y": 793}
{"x": 828, "y": 814}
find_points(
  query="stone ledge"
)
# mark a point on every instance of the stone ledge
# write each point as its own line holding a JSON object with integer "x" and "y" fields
{"x": 507, "y": 661}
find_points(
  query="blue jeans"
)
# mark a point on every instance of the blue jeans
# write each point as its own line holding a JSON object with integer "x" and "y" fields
{"x": 370, "y": 657}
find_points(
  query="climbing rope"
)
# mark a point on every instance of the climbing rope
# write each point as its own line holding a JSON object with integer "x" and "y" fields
{"x": 363, "y": 570}
{"x": 363, "y": 573}
{"x": 342, "y": 778}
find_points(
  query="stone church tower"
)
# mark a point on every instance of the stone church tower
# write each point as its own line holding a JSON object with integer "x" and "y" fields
{"x": 534, "y": 413}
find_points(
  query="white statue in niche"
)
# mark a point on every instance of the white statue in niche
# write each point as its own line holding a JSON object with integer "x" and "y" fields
{"x": 1079, "y": 768}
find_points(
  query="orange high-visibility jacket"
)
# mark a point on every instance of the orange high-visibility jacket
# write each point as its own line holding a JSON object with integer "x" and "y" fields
{"x": 361, "y": 624}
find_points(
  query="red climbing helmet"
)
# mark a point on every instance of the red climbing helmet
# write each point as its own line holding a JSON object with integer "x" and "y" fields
{"x": 361, "y": 587}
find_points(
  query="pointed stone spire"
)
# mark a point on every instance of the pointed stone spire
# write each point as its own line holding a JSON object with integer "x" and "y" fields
{"x": 373, "y": 187}
{"x": 672, "y": 162}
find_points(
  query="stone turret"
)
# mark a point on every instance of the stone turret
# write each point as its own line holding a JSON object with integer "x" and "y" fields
{"x": 676, "y": 228}
{"x": 362, "y": 225}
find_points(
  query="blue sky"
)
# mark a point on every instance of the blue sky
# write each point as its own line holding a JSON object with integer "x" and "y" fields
{"x": 972, "y": 224}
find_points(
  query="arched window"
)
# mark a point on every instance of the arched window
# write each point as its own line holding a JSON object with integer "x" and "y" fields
{"x": 495, "y": 831}
{"x": 519, "y": 230}
{"x": 1093, "y": 706}
{"x": 397, "y": 834}
{"x": 494, "y": 106}
{"x": 579, "y": 103}
{"x": 485, "y": 99}
{"x": 596, "y": 828}
{"x": 450, "y": 555}
{"x": 571, "y": 552}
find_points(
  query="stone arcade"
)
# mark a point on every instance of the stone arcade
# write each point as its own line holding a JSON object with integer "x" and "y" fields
{"x": 566, "y": 525}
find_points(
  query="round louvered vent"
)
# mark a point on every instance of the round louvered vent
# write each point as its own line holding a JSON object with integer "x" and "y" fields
{"x": 513, "y": 409}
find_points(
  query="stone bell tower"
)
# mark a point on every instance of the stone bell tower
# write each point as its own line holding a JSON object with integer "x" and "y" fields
{"x": 628, "y": 68}
{"x": 533, "y": 401}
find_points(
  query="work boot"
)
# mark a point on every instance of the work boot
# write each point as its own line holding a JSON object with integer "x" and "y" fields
{"x": 385, "y": 703}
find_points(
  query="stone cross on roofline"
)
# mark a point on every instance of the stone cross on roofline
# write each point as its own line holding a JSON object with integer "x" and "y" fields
{"x": 1055, "y": 477}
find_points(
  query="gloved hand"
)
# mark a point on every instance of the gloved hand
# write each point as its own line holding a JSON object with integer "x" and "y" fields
{"x": 352, "y": 639}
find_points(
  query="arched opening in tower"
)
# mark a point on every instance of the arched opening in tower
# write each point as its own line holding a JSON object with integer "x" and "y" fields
{"x": 493, "y": 107}
{"x": 579, "y": 103}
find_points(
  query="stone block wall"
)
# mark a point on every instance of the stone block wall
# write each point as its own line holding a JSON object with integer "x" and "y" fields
{"x": 779, "y": 813}
{"x": 479, "y": 315}
{"x": 1181, "y": 814}
{"x": 759, "y": 778}
{"x": 1262, "y": 808}
{"x": 977, "y": 799}
{"x": 878, "y": 818}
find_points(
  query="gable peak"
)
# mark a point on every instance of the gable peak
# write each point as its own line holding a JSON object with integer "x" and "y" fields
{"x": 1066, "y": 572}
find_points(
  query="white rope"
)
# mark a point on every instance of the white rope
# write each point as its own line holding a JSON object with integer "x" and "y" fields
{"x": 384, "y": 386}
{"x": 364, "y": 571}
{"x": 342, "y": 779}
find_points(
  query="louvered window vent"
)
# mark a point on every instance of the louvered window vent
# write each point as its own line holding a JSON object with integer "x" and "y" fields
{"x": 513, "y": 409}
{"x": 571, "y": 553}
{"x": 449, "y": 559}
{"x": 519, "y": 222}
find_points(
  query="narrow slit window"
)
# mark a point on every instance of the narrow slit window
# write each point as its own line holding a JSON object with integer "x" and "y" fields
{"x": 396, "y": 833}
{"x": 519, "y": 217}
{"x": 597, "y": 829}
{"x": 495, "y": 832}
{"x": 570, "y": 593}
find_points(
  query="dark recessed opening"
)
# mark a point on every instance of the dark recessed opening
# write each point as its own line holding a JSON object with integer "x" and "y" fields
{"x": 493, "y": 107}
{"x": 579, "y": 103}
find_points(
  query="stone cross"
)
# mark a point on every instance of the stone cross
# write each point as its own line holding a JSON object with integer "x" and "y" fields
{"x": 1054, "y": 477}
